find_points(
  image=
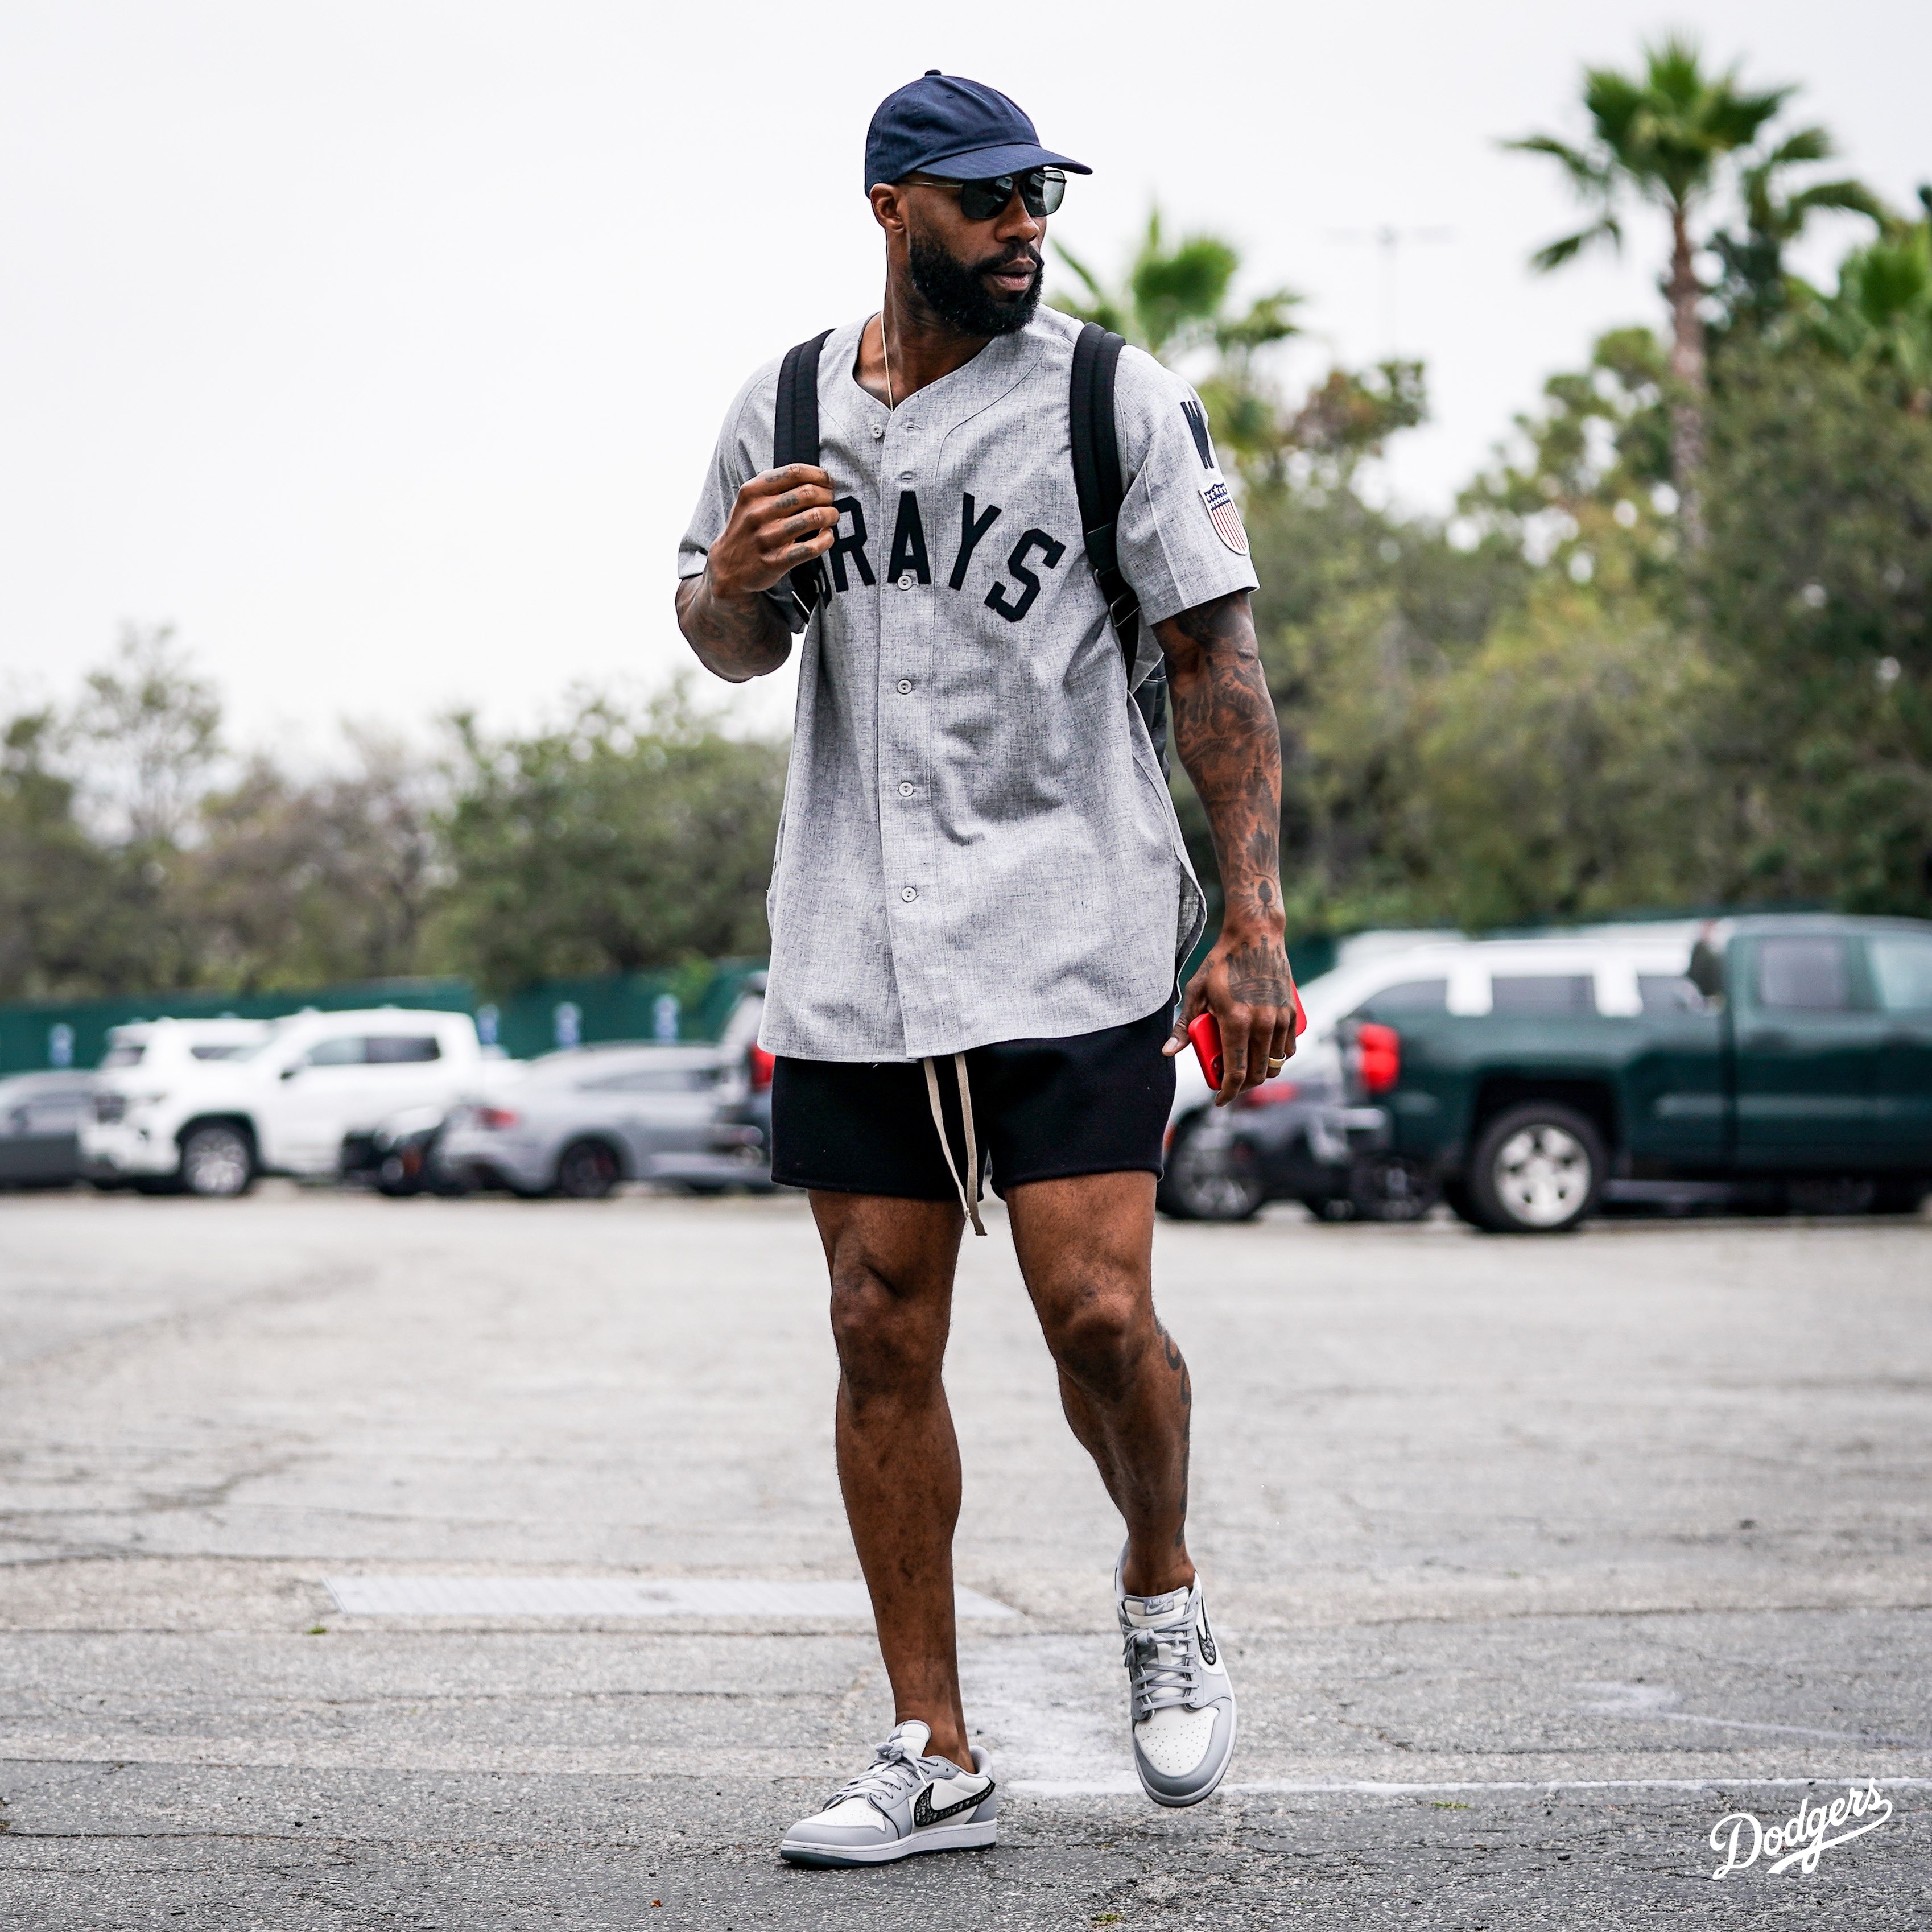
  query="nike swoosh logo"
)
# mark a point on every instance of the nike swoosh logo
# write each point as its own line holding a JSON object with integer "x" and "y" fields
{"x": 924, "y": 1812}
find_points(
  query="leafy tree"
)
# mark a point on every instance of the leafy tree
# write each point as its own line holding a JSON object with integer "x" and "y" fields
{"x": 1663, "y": 135}
{"x": 623, "y": 839}
{"x": 1817, "y": 582}
{"x": 1358, "y": 613}
{"x": 1561, "y": 768}
{"x": 147, "y": 732}
{"x": 57, "y": 892}
{"x": 298, "y": 883}
{"x": 1587, "y": 489}
{"x": 1348, "y": 416}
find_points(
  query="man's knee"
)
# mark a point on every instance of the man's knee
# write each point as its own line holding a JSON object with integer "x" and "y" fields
{"x": 889, "y": 1336}
{"x": 1099, "y": 1334}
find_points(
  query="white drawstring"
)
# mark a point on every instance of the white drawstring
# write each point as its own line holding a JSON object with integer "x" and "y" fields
{"x": 972, "y": 1206}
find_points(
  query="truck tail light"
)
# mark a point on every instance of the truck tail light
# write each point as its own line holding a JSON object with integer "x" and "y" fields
{"x": 496, "y": 1118}
{"x": 1270, "y": 1093}
{"x": 1377, "y": 1056}
{"x": 758, "y": 1067}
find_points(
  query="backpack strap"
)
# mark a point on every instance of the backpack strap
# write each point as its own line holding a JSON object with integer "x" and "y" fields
{"x": 1099, "y": 484}
{"x": 795, "y": 439}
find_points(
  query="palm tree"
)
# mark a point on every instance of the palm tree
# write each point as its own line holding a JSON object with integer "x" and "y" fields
{"x": 1881, "y": 313}
{"x": 1756, "y": 288}
{"x": 1662, "y": 136}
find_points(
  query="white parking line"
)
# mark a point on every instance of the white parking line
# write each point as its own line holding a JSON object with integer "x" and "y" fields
{"x": 1128, "y": 1787}
{"x": 616, "y": 1596}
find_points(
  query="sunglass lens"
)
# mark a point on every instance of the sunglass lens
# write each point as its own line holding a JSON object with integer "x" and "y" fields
{"x": 981, "y": 200}
{"x": 1041, "y": 189}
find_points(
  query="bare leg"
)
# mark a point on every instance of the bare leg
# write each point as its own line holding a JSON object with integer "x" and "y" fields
{"x": 1086, "y": 1248}
{"x": 892, "y": 1265}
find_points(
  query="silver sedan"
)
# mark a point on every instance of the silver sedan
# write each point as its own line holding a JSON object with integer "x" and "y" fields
{"x": 578, "y": 1123}
{"x": 40, "y": 1125}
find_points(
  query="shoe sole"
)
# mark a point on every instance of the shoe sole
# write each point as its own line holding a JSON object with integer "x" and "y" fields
{"x": 964, "y": 1838}
{"x": 1167, "y": 1800}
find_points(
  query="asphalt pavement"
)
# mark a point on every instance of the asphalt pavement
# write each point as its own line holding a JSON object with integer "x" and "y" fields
{"x": 1535, "y": 1559}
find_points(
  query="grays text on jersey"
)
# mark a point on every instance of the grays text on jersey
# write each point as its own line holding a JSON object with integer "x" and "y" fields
{"x": 977, "y": 844}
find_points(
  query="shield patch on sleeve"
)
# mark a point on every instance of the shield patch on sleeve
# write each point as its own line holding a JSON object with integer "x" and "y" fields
{"x": 1225, "y": 516}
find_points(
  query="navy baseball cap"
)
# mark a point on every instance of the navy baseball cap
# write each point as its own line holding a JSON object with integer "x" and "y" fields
{"x": 958, "y": 129}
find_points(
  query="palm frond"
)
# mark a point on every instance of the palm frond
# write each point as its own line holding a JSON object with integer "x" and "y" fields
{"x": 1266, "y": 321}
{"x": 1847, "y": 197}
{"x": 1808, "y": 144}
{"x": 1081, "y": 269}
{"x": 1570, "y": 246}
{"x": 1589, "y": 175}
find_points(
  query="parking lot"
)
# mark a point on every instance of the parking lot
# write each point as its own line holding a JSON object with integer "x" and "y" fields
{"x": 1536, "y": 1559}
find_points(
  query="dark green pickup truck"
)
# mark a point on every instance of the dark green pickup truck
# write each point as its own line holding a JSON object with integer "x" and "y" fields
{"x": 1793, "y": 1065}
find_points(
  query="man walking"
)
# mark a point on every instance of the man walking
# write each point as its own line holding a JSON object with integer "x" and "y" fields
{"x": 978, "y": 898}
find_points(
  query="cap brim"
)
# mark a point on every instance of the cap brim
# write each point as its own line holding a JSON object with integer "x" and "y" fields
{"x": 985, "y": 164}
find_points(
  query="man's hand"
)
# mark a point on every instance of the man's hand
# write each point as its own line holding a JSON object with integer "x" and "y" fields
{"x": 1225, "y": 732}
{"x": 781, "y": 519}
{"x": 1245, "y": 982}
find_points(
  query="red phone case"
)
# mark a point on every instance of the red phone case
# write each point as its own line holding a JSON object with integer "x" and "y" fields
{"x": 1205, "y": 1033}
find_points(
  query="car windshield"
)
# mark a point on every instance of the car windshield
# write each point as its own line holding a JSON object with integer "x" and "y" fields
{"x": 125, "y": 1053}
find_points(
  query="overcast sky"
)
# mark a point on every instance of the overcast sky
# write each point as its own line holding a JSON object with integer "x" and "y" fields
{"x": 379, "y": 346}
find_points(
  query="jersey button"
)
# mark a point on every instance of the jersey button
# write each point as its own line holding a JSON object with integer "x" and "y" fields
{"x": 908, "y": 893}
{"x": 905, "y": 787}
{"x": 907, "y": 580}
{"x": 878, "y": 430}
{"x": 905, "y": 684}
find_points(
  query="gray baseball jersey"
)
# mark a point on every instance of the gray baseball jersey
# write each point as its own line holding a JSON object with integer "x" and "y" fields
{"x": 977, "y": 844}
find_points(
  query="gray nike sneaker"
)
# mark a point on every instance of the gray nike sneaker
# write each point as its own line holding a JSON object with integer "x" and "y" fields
{"x": 902, "y": 1803}
{"x": 1180, "y": 1705}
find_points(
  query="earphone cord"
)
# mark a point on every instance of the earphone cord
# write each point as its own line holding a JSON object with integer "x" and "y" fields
{"x": 886, "y": 347}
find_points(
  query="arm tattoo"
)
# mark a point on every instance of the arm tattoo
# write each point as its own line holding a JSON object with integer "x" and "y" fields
{"x": 737, "y": 637}
{"x": 1225, "y": 731}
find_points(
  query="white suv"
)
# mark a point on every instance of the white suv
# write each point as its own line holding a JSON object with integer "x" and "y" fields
{"x": 207, "y": 1106}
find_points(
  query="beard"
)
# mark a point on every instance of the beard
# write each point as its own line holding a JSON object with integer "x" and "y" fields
{"x": 955, "y": 293}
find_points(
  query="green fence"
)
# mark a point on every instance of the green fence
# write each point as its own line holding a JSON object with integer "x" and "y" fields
{"x": 686, "y": 1002}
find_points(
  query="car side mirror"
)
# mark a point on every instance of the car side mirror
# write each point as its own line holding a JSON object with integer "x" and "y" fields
{"x": 289, "y": 1072}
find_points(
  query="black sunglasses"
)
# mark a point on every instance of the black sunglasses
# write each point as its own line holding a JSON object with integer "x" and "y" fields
{"x": 1040, "y": 190}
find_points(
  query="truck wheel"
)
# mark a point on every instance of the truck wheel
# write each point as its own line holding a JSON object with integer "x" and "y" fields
{"x": 217, "y": 1162}
{"x": 1538, "y": 1169}
{"x": 1210, "y": 1177}
{"x": 587, "y": 1172}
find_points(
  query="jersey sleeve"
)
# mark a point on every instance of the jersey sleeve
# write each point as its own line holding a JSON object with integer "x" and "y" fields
{"x": 744, "y": 451}
{"x": 1180, "y": 537}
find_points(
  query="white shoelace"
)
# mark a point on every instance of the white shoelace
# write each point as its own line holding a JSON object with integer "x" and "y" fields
{"x": 972, "y": 1206}
{"x": 888, "y": 1778}
{"x": 1163, "y": 1665}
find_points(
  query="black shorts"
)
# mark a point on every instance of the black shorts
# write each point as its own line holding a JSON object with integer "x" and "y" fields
{"x": 1043, "y": 1109}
